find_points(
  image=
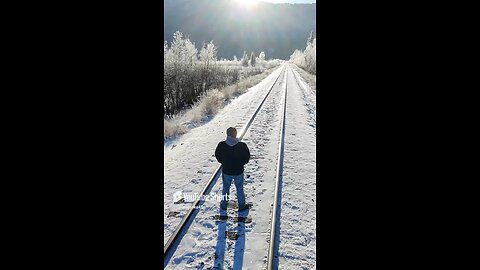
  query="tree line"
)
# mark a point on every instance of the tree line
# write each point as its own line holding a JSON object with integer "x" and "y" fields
{"x": 307, "y": 59}
{"x": 189, "y": 73}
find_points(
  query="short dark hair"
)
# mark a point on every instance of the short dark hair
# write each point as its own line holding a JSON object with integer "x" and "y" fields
{"x": 232, "y": 132}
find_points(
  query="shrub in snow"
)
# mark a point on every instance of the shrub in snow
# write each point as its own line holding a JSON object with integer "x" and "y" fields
{"x": 209, "y": 104}
{"x": 189, "y": 74}
{"x": 212, "y": 102}
{"x": 171, "y": 129}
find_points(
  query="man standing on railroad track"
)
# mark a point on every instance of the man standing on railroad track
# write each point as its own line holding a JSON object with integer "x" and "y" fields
{"x": 233, "y": 155}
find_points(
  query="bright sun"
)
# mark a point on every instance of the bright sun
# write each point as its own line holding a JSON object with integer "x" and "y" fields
{"x": 249, "y": 4}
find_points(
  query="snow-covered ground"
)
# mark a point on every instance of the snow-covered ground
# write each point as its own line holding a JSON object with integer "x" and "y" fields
{"x": 297, "y": 214}
{"x": 190, "y": 161}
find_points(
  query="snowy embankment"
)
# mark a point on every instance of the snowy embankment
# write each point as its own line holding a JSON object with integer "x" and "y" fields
{"x": 189, "y": 162}
{"x": 211, "y": 102}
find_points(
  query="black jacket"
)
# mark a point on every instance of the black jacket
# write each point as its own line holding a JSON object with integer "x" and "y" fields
{"x": 233, "y": 158}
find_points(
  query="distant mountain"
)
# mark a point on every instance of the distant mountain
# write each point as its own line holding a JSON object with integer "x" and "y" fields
{"x": 276, "y": 29}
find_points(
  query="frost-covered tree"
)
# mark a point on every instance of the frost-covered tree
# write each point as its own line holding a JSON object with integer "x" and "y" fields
{"x": 261, "y": 58}
{"x": 165, "y": 48}
{"x": 307, "y": 58}
{"x": 245, "y": 59}
{"x": 311, "y": 38}
{"x": 252, "y": 59}
{"x": 179, "y": 71}
{"x": 298, "y": 58}
{"x": 183, "y": 49}
{"x": 189, "y": 74}
{"x": 310, "y": 56}
{"x": 208, "y": 56}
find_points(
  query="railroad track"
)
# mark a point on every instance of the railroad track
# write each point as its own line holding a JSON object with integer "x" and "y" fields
{"x": 182, "y": 228}
{"x": 272, "y": 260}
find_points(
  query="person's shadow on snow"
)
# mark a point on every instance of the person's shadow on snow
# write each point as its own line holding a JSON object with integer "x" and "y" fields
{"x": 240, "y": 243}
{"x": 222, "y": 242}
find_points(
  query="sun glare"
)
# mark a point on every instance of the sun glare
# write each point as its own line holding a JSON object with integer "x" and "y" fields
{"x": 249, "y": 4}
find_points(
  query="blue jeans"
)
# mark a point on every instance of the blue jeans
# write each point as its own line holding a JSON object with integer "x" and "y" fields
{"x": 227, "y": 181}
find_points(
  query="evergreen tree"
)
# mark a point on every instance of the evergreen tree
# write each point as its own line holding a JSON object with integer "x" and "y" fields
{"x": 245, "y": 59}
{"x": 252, "y": 59}
{"x": 311, "y": 38}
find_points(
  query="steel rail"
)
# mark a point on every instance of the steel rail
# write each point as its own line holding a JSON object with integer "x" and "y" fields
{"x": 273, "y": 229}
